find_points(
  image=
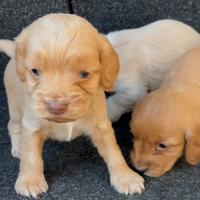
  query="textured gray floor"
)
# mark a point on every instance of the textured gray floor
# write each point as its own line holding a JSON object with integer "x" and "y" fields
{"x": 17, "y": 14}
{"x": 108, "y": 15}
{"x": 74, "y": 170}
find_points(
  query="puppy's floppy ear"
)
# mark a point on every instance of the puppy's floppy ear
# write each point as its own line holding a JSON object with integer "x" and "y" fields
{"x": 192, "y": 148}
{"x": 110, "y": 64}
{"x": 20, "y": 55}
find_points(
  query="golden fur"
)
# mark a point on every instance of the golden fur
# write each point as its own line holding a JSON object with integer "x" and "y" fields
{"x": 166, "y": 122}
{"x": 54, "y": 97}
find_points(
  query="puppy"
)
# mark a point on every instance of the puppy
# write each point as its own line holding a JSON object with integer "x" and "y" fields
{"x": 55, "y": 85}
{"x": 145, "y": 55}
{"x": 166, "y": 122}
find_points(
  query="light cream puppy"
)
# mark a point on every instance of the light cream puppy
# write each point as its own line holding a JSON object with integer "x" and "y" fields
{"x": 55, "y": 85}
{"x": 145, "y": 56}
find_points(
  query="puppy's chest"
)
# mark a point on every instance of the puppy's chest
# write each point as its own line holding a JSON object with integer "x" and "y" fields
{"x": 63, "y": 132}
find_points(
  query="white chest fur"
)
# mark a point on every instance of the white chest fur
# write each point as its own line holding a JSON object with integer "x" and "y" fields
{"x": 62, "y": 132}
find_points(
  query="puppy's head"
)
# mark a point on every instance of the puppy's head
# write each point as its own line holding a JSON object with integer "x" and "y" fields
{"x": 159, "y": 125}
{"x": 63, "y": 62}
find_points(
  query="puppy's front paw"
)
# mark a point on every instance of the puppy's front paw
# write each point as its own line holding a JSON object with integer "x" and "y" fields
{"x": 31, "y": 185}
{"x": 126, "y": 181}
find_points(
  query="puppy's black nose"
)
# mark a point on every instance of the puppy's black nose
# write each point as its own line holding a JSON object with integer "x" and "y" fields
{"x": 57, "y": 108}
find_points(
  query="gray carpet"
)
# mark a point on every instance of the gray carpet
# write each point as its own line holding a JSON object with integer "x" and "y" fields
{"x": 74, "y": 170}
{"x": 108, "y": 15}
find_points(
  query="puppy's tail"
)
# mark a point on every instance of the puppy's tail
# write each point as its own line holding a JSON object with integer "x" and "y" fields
{"x": 8, "y": 47}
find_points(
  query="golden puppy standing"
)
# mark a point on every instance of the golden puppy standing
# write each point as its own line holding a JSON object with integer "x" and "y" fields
{"x": 166, "y": 122}
{"x": 55, "y": 84}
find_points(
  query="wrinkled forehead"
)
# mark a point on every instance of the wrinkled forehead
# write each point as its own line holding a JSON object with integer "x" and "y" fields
{"x": 79, "y": 42}
{"x": 62, "y": 35}
{"x": 169, "y": 134}
{"x": 59, "y": 49}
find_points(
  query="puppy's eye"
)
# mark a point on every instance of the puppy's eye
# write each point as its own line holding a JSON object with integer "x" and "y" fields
{"x": 161, "y": 146}
{"x": 35, "y": 72}
{"x": 84, "y": 74}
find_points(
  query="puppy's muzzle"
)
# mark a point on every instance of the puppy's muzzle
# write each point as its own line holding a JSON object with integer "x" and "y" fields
{"x": 57, "y": 108}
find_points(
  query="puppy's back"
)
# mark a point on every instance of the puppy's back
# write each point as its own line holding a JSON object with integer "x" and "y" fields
{"x": 185, "y": 72}
{"x": 149, "y": 52}
{"x": 177, "y": 98}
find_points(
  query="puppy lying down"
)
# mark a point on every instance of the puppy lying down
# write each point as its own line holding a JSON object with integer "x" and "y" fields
{"x": 145, "y": 56}
{"x": 55, "y": 85}
{"x": 166, "y": 122}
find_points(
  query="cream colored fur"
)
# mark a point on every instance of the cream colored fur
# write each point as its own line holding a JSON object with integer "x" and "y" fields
{"x": 145, "y": 55}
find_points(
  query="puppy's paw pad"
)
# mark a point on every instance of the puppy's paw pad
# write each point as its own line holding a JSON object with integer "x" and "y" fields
{"x": 127, "y": 182}
{"x": 30, "y": 185}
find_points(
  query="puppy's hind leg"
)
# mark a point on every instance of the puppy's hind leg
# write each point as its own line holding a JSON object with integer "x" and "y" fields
{"x": 14, "y": 129}
{"x": 14, "y": 124}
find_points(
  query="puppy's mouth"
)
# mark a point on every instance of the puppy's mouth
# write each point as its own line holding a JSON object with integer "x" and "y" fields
{"x": 61, "y": 112}
{"x": 155, "y": 172}
{"x": 63, "y": 118}
{"x": 140, "y": 169}
{"x": 147, "y": 172}
{"x": 151, "y": 172}
{"x": 60, "y": 119}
